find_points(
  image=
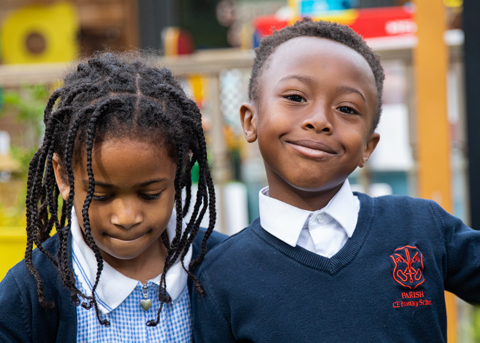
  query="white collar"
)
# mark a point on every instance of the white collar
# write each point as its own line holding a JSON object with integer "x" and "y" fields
{"x": 285, "y": 221}
{"x": 114, "y": 287}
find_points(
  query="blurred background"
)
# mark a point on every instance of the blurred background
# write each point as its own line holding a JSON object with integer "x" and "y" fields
{"x": 429, "y": 51}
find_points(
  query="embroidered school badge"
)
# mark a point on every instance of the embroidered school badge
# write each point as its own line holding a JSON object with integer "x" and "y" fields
{"x": 408, "y": 270}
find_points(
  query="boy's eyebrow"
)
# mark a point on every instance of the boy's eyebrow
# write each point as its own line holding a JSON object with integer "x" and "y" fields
{"x": 310, "y": 80}
{"x": 348, "y": 89}
{"x": 305, "y": 79}
{"x": 110, "y": 186}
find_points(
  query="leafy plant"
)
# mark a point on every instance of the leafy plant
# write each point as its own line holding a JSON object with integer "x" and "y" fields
{"x": 27, "y": 104}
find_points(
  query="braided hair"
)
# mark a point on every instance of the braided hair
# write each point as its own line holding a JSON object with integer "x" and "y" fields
{"x": 321, "y": 29}
{"x": 111, "y": 96}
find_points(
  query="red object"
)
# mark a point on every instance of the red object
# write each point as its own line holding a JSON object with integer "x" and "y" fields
{"x": 184, "y": 43}
{"x": 370, "y": 23}
{"x": 384, "y": 22}
{"x": 265, "y": 25}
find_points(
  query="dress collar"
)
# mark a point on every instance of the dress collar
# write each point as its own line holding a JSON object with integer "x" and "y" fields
{"x": 114, "y": 287}
{"x": 285, "y": 221}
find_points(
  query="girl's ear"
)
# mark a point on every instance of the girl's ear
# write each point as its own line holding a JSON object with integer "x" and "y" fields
{"x": 248, "y": 118}
{"x": 60, "y": 176}
{"x": 369, "y": 148}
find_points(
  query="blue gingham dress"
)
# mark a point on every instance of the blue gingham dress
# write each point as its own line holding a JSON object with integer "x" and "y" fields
{"x": 127, "y": 321}
{"x": 119, "y": 299}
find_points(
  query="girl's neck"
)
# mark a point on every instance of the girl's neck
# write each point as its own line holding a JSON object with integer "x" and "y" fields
{"x": 144, "y": 267}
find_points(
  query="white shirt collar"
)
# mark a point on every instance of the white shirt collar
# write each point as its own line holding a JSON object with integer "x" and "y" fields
{"x": 114, "y": 287}
{"x": 285, "y": 221}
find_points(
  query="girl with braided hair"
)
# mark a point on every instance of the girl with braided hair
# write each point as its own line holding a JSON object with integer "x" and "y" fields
{"x": 120, "y": 142}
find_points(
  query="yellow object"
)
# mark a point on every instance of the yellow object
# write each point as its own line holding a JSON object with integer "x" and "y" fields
{"x": 12, "y": 248}
{"x": 7, "y": 162}
{"x": 453, "y": 3}
{"x": 293, "y": 4}
{"x": 40, "y": 33}
{"x": 170, "y": 39}
{"x": 197, "y": 84}
{"x": 345, "y": 17}
{"x": 431, "y": 65}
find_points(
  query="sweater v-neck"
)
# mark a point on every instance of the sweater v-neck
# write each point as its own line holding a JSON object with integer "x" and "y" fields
{"x": 346, "y": 254}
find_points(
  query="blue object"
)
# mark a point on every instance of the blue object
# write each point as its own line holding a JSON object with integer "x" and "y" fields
{"x": 256, "y": 39}
{"x": 314, "y": 7}
{"x": 18, "y": 296}
{"x": 385, "y": 285}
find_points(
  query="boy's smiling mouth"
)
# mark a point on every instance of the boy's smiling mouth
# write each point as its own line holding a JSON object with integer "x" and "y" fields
{"x": 312, "y": 149}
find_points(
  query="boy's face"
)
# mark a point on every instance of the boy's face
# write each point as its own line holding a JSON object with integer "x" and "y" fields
{"x": 312, "y": 119}
{"x": 132, "y": 202}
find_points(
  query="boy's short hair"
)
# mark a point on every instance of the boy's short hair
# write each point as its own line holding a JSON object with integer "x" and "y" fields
{"x": 322, "y": 29}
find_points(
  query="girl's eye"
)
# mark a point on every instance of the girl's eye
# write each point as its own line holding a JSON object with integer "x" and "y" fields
{"x": 101, "y": 197}
{"x": 150, "y": 196}
{"x": 295, "y": 98}
{"x": 346, "y": 109}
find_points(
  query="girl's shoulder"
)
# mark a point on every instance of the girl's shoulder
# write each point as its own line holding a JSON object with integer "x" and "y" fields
{"x": 22, "y": 318}
{"x": 40, "y": 260}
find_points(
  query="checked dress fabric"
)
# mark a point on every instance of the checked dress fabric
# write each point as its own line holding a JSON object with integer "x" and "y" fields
{"x": 128, "y": 320}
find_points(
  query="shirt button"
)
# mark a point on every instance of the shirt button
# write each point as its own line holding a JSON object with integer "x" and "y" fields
{"x": 319, "y": 218}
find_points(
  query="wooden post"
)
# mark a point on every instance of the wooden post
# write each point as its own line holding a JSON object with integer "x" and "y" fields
{"x": 431, "y": 66}
{"x": 219, "y": 148}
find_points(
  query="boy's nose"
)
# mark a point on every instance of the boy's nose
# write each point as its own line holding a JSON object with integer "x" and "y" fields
{"x": 318, "y": 120}
{"x": 125, "y": 214}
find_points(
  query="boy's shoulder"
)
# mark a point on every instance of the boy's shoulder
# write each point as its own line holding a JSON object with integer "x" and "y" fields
{"x": 232, "y": 249}
{"x": 396, "y": 203}
{"x": 250, "y": 242}
{"x": 214, "y": 239}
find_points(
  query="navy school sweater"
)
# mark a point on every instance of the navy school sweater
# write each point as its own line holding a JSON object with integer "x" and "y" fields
{"x": 385, "y": 285}
{"x": 23, "y": 319}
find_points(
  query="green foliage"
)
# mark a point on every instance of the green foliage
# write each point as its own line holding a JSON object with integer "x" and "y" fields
{"x": 476, "y": 324}
{"x": 30, "y": 103}
{"x": 27, "y": 104}
{"x": 12, "y": 217}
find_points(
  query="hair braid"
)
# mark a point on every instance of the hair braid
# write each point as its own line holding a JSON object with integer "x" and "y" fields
{"x": 111, "y": 97}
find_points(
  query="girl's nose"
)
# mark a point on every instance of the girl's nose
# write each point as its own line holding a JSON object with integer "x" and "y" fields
{"x": 125, "y": 214}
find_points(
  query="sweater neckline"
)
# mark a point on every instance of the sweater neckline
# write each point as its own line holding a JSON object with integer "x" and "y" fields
{"x": 339, "y": 260}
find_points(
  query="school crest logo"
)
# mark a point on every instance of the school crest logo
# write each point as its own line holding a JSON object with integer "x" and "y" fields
{"x": 408, "y": 269}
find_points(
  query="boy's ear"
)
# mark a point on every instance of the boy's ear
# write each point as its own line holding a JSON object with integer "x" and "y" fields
{"x": 248, "y": 118}
{"x": 369, "y": 148}
{"x": 60, "y": 176}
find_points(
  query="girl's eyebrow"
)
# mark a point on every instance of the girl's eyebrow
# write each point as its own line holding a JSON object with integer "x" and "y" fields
{"x": 110, "y": 186}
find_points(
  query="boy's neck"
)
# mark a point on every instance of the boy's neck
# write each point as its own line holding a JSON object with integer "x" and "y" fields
{"x": 305, "y": 200}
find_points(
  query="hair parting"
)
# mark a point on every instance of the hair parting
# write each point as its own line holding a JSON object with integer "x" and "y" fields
{"x": 111, "y": 96}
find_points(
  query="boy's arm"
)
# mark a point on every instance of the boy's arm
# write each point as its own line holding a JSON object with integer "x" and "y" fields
{"x": 462, "y": 245}
{"x": 209, "y": 323}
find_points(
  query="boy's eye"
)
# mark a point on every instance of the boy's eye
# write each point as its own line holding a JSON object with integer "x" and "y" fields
{"x": 346, "y": 109}
{"x": 101, "y": 197}
{"x": 295, "y": 98}
{"x": 150, "y": 196}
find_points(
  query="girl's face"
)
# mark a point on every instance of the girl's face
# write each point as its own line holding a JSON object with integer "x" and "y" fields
{"x": 133, "y": 198}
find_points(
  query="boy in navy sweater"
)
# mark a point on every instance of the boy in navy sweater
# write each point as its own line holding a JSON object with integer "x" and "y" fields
{"x": 322, "y": 264}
